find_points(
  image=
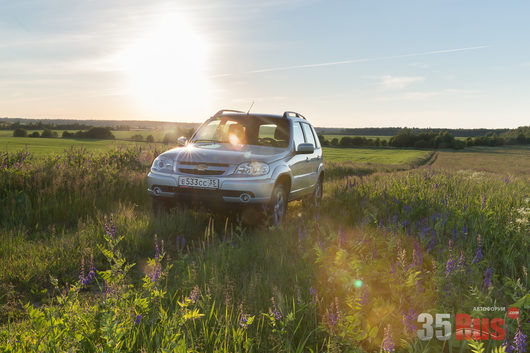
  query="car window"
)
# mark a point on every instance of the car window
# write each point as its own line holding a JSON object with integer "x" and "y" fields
{"x": 298, "y": 135}
{"x": 309, "y": 138}
{"x": 315, "y": 135}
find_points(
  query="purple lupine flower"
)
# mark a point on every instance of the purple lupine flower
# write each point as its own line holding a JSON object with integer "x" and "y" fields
{"x": 507, "y": 346}
{"x": 449, "y": 266}
{"x": 454, "y": 233}
{"x": 313, "y": 293}
{"x": 137, "y": 319}
{"x": 300, "y": 234}
{"x": 487, "y": 278}
{"x": 364, "y": 298}
{"x": 409, "y": 321}
{"x": 519, "y": 341}
{"x": 381, "y": 223}
{"x": 478, "y": 255}
{"x": 243, "y": 320}
{"x": 483, "y": 201}
{"x": 464, "y": 232}
{"x": 342, "y": 236}
{"x": 194, "y": 294}
{"x": 388, "y": 342}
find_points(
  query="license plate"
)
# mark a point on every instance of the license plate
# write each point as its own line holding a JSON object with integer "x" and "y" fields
{"x": 203, "y": 183}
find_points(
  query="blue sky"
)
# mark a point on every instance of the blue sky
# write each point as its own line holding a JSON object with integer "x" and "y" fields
{"x": 340, "y": 63}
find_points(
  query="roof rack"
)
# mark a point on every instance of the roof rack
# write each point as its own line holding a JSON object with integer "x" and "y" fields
{"x": 298, "y": 115}
{"x": 222, "y": 111}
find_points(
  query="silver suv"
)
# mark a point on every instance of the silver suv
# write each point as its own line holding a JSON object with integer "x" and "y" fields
{"x": 240, "y": 161}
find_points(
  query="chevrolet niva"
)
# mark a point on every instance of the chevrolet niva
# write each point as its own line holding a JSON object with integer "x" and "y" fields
{"x": 238, "y": 161}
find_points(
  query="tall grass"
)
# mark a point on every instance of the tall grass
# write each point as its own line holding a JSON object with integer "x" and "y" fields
{"x": 98, "y": 272}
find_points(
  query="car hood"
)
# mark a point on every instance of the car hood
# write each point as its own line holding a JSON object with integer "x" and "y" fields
{"x": 225, "y": 153}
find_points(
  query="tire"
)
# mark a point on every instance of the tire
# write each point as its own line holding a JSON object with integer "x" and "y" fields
{"x": 278, "y": 205}
{"x": 316, "y": 197}
{"x": 160, "y": 206}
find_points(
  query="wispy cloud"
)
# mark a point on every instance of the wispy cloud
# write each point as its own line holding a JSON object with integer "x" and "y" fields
{"x": 353, "y": 61}
{"x": 393, "y": 82}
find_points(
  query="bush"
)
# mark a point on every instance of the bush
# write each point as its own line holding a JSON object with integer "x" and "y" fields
{"x": 137, "y": 138}
{"x": 335, "y": 142}
{"x": 67, "y": 134}
{"x": 150, "y": 139}
{"x": 96, "y": 133}
{"x": 20, "y": 132}
{"x": 47, "y": 133}
{"x": 34, "y": 134}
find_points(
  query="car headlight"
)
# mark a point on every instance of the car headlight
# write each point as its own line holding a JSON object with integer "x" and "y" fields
{"x": 163, "y": 164}
{"x": 252, "y": 169}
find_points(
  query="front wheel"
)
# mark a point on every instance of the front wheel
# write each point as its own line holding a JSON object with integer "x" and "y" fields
{"x": 278, "y": 205}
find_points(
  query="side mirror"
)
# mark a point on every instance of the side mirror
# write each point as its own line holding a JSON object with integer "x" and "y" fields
{"x": 305, "y": 148}
{"x": 182, "y": 141}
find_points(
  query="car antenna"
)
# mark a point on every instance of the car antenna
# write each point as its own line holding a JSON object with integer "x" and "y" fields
{"x": 250, "y": 107}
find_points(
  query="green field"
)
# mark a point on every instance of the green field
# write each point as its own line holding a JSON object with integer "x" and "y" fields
{"x": 373, "y": 155}
{"x": 47, "y": 146}
{"x": 86, "y": 266}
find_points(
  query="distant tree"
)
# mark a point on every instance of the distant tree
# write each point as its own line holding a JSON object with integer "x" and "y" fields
{"x": 335, "y": 142}
{"x": 96, "y": 133}
{"x": 67, "y": 134}
{"x": 47, "y": 133}
{"x": 20, "y": 132}
{"x": 521, "y": 139}
{"x": 34, "y": 134}
{"x": 383, "y": 143}
{"x": 137, "y": 138}
{"x": 150, "y": 139}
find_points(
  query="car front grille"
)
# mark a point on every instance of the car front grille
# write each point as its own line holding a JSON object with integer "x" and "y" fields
{"x": 197, "y": 168}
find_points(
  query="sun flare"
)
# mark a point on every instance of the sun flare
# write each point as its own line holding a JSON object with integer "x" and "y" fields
{"x": 166, "y": 69}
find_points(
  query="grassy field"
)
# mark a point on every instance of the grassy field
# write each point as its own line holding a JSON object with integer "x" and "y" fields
{"x": 87, "y": 267}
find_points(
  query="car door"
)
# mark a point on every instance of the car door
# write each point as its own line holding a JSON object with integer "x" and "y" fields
{"x": 313, "y": 159}
{"x": 297, "y": 163}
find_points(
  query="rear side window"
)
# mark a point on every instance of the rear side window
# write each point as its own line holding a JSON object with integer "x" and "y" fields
{"x": 298, "y": 135}
{"x": 315, "y": 135}
{"x": 309, "y": 134}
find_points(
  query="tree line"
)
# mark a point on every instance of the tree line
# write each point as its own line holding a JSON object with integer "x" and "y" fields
{"x": 92, "y": 133}
{"x": 442, "y": 139}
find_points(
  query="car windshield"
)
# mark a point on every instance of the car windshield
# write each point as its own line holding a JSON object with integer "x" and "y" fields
{"x": 248, "y": 130}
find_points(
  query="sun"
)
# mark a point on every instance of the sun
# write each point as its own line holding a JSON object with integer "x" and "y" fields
{"x": 166, "y": 69}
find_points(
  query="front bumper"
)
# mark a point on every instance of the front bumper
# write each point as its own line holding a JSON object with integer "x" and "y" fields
{"x": 236, "y": 190}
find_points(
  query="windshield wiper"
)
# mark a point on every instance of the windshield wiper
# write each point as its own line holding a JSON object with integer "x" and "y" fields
{"x": 205, "y": 140}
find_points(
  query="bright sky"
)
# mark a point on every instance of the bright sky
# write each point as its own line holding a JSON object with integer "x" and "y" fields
{"x": 341, "y": 63}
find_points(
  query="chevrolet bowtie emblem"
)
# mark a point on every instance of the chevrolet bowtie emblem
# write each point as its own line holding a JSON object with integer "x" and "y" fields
{"x": 202, "y": 167}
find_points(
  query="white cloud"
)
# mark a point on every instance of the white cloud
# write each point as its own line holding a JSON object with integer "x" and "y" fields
{"x": 395, "y": 82}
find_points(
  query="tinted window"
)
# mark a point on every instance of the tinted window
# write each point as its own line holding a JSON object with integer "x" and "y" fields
{"x": 309, "y": 134}
{"x": 298, "y": 135}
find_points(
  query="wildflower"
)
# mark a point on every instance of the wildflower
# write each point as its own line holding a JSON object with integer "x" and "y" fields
{"x": 478, "y": 255}
{"x": 388, "y": 342}
{"x": 137, "y": 319}
{"x": 194, "y": 294}
{"x": 483, "y": 201}
{"x": 454, "y": 233}
{"x": 243, "y": 320}
{"x": 409, "y": 321}
{"x": 277, "y": 314}
{"x": 464, "y": 232}
{"x": 449, "y": 266}
{"x": 313, "y": 293}
{"x": 487, "y": 278}
{"x": 332, "y": 314}
{"x": 110, "y": 228}
{"x": 342, "y": 236}
{"x": 519, "y": 341}
{"x": 508, "y": 348}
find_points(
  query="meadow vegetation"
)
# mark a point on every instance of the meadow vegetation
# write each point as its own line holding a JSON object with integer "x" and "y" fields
{"x": 85, "y": 266}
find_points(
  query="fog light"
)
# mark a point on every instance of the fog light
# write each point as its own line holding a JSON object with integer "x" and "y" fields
{"x": 245, "y": 197}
